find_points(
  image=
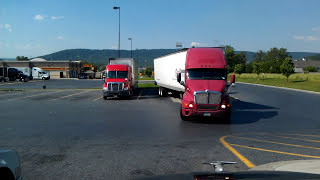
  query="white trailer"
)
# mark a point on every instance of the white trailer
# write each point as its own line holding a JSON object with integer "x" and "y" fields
{"x": 130, "y": 62}
{"x": 166, "y": 69}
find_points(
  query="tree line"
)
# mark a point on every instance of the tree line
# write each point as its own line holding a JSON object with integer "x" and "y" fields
{"x": 275, "y": 60}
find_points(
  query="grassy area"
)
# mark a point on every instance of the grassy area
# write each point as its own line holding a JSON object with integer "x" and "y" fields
{"x": 309, "y": 82}
{"x": 147, "y": 85}
{"x": 145, "y": 78}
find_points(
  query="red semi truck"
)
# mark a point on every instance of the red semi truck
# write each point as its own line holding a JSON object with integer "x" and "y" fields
{"x": 200, "y": 75}
{"x": 120, "y": 79}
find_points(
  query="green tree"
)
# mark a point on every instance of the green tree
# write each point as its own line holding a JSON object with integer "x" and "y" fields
{"x": 233, "y": 59}
{"x": 258, "y": 56}
{"x": 239, "y": 69}
{"x": 287, "y": 67}
{"x": 273, "y": 59}
{"x": 148, "y": 71}
{"x": 257, "y": 68}
{"x": 249, "y": 67}
{"x": 22, "y": 58}
{"x": 310, "y": 69}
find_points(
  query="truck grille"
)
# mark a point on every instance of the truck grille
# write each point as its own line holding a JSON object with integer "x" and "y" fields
{"x": 212, "y": 107}
{"x": 115, "y": 86}
{"x": 207, "y": 97}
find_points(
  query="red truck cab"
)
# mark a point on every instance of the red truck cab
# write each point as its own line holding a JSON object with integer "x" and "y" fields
{"x": 205, "y": 84}
{"x": 118, "y": 81}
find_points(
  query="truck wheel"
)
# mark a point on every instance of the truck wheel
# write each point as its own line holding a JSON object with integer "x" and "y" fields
{"x": 105, "y": 97}
{"x": 184, "y": 118}
{"x": 227, "y": 118}
{"x": 160, "y": 91}
{"x": 43, "y": 78}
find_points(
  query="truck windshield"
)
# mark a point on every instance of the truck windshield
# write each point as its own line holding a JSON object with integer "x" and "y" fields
{"x": 117, "y": 74}
{"x": 208, "y": 74}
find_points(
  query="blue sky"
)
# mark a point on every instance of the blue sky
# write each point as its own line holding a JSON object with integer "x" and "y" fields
{"x": 38, "y": 27}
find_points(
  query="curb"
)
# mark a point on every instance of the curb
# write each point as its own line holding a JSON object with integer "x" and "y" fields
{"x": 285, "y": 88}
{"x": 304, "y": 166}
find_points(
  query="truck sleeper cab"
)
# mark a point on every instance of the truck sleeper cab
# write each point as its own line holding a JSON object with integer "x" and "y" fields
{"x": 118, "y": 81}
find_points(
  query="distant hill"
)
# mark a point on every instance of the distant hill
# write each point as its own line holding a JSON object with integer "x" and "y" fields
{"x": 315, "y": 57}
{"x": 142, "y": 56}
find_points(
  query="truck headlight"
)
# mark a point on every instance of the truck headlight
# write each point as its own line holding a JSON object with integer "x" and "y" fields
{"x": 126, "y": 88}
{"x": 105, "y": 88}
{"x": 223, "y": 106}
{"x": 190, "y": 105}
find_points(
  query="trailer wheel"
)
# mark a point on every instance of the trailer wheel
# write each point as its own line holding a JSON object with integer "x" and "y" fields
{"x": 184, "y": 118}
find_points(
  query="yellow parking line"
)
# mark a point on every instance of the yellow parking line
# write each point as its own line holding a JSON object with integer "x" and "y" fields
{"x": 98, "y": 98}
{"x": 310, "y": 140}
{"x": 32, "y": 95}
{"x": 300, "y": 135}
{"x": 279, "y": 152}
{"x": 235, "y": 152}
{"x": 69, "y": 95}
{"x": 139, "y": 94}
{"x": 295, "y": 145}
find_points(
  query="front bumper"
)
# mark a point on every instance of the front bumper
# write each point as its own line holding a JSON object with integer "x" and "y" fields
{"x": 116, "y": 93}
{"x": 220, "y": 113}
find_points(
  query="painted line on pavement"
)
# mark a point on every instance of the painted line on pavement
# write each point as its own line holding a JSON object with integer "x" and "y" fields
{"x": 14, "y": 93}
{"x": 273, "y": 151}
{"x": 176, "y": 100}
{"x": 285, "y": 88}
{"x": 139, "y": 94}
{"x": 318, "y": 136}
{"x": 98, "y": 98}
{"x": 235, "y": 152}
{"x": 286, "y": 137}
{"x": 11, "y": 83}
{"x": 33, "y": 95}
{"x": 273, "y": 142}
{"x": 69, "y": 95}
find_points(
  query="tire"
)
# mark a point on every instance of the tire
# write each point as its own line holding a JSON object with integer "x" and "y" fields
{"x": 227, "y": 118}
{"x": 43, "y": 78}
{"x": 184, "y": 118}
{"x": 105, "y": 97}
{"x": 160, "y": 91}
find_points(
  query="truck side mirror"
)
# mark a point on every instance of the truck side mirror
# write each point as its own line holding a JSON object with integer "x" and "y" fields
{"x": 232, "y": 79}
{"x": 179, "y": 77}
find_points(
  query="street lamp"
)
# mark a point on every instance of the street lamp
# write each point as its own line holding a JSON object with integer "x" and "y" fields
{"x": 115, "y": 8}
{"x": 130, "y": 39}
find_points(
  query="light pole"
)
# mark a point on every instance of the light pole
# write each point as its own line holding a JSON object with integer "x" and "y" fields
{"x": 115, "y": 8}
{"x": 130, "y": 39}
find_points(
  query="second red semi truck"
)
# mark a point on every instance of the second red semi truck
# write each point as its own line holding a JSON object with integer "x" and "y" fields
{"x": 121, "y": 78}
{"x": 200, "y": 75}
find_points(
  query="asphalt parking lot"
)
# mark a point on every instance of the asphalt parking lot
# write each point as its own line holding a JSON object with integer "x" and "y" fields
{"x": 68, "y": 131}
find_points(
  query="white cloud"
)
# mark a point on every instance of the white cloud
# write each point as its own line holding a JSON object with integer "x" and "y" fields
{"x": 306, "y": 38}
{"x": 195, "y": 44}
{"x": 57, "y": 17}
{"x": 312, "y": 38}
{"x": 38, "y": 17}
{"x": 8, "y": 27}
{"x": 60, "y": 37}
{"x": 316, "y": 28}
{"x": 298, "y": 37}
